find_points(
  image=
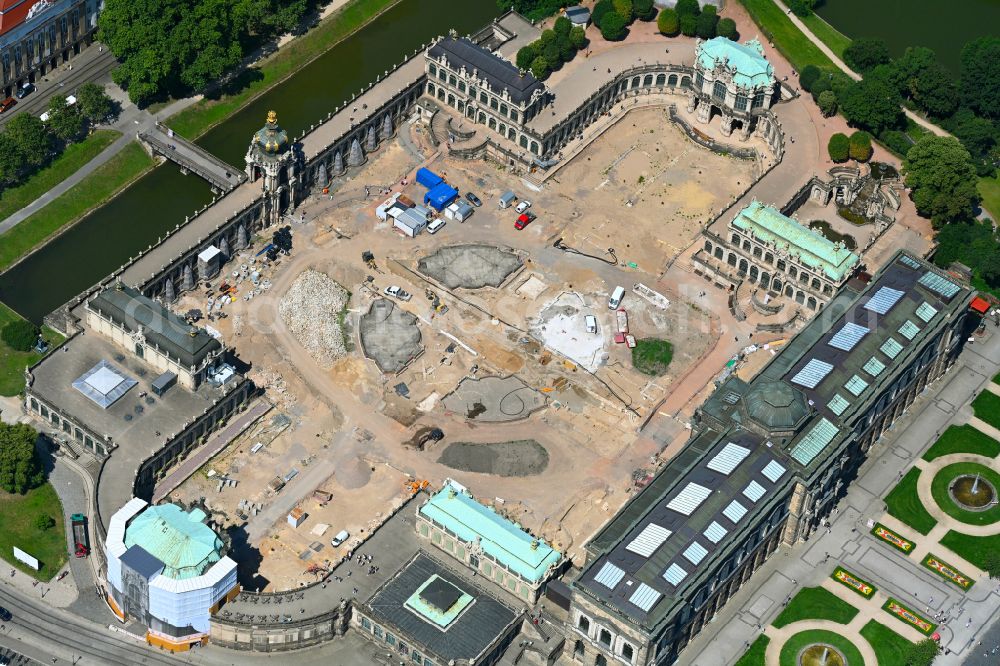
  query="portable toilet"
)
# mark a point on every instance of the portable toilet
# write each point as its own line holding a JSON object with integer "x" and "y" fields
{"x": 507, "y": 199}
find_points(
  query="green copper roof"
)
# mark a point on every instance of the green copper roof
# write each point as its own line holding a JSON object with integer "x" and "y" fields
{"x": 752, "y": 70}
{"x": 186, "y": 546}
{"x": 815, "y": 251}
{"x": 511, "y": 546}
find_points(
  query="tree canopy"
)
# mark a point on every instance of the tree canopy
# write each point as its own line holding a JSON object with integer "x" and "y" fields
{"x": 687, "y": 7}
{"x": 974, "y": 244}
{"x": 533, "y": 9}
{"x": 942, "y": 177}
{"x": 668, "y": 22}
{"x": 20, "y": 470}
{"x": 839, "y": 147}
{"x": 613, "y": 27}
{"x": 922, "y": 653}
{"x": 871, "y": 104}
{"x": 726, "y": 27}
{"x": 861, "y": 146}
{"x": 645, "y": 10}
{"x": 980, "y": 78}
{"x": 20, "y": 335}
{"x": 94, "y": 103}
{"x": 30, "y": 138}
{"x": 865, "y": 53}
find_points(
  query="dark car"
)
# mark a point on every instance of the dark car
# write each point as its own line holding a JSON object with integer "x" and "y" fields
{"x": 25, "y": 90}
{"x": 5, "y": 614}
{"x": 473, "y": 199}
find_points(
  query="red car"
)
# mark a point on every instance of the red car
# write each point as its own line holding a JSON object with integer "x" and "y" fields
{"x": 7, "y": 104}
{"x": 523, "y": 220}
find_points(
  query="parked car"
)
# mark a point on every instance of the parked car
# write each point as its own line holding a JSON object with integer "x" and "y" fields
{"x": 616, "y": 298}
{"x": 435, "y": 225}
{"x": 341, "y": 537}
{"x": 397, "y": 293}
{"x": 523, "y": 206}
{"x": 523, "y": 220}
{"x": 5, "y": 614}
{"x": 473, "y": 199}
{"x": 7, "y": 104}
{"x": 591, "y": 322}
{"x": 25, "y": 90}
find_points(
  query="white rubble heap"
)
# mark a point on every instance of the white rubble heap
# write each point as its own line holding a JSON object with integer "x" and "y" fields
{"x": 311, "y": 311}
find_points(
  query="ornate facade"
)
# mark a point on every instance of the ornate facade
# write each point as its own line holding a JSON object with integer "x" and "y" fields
{"x": 279, "y": 163}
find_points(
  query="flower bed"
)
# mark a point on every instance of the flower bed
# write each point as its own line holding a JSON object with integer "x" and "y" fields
{"x": 847, "y": 579}
{"x": 899, "y": 543}
{"x": 906, "y": 614}
{"x": 948, "y": 572}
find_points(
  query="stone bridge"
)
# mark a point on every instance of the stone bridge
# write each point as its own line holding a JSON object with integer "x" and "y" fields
{"x": 191, "y": 158}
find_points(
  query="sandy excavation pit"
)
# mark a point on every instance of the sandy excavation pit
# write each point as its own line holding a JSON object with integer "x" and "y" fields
{"x": 470, "y": 266}
{"x": 523, "y": 457}
{"x": 493, "y": 399}
{"x": 390, "y": 336}
{"x": 562, "y": 327}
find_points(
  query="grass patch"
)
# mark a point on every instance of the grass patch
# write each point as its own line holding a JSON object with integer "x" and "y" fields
{"x": 907, "y": 615}
{"x": 198, "y": 118}
{"x": 986, "y": 407}
{"x": 100, "y": 186}
{"x": 815, "y": 603}
{"x": 652, "y": 356}
{"x": 754, "y": 656}
{"x": 938, "y": 566}
{"x": 989, "y": 190}
{"x": 790, "y": 650}
{"x": 939, "y": 490}
{"x": 972, "y": 549}
{"x": 996, "y": 379}
{"x": 18, "y": 529}
{"x": 853, "y": 582}
{"x": 789, "y": 40}
{"x": 12, "y": 362}
{"x": 963, "y": 439}
{"x": 61, "y": 168}
{"x": 904, "y": 504}
{"x": 833, "y": 38}
{"x": 890, "y": 648}
{"x": 883, "y": 533}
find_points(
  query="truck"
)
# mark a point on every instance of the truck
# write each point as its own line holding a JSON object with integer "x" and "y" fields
{"x": 81, "y": 540}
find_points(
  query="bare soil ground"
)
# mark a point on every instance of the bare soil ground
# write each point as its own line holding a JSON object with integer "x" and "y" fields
{"x": 523, "y": 457}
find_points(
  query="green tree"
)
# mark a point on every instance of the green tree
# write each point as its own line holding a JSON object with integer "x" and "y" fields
{"x": 707, "y": 20}
{"x": 992, "y": 558}
{"x": 840, "y": 83}
{"x": 974, "y": 244}
{"x": 689, "y": 25}
{"x": 872, "y": 105}
{"x": 801, "y": 8}
{"x": 20, "y": 470}
{"x": 865, "y": 53}
{"x": 31, "y": 138}
{"x": 980, "y": 78}
{"x": 548, "y": 37}
{"x": 668, "y": 22}
{"x": 645, "y": 10}
{"x": 839, "y": 147}
{"x": 687, "y": 7}
{"x": 578, "y": 37}
{"x": 65, "y": 121}
{"x": 11, "y": 159}
{"x": 808, "y": 76}
{"x": 94, "y": 103}
{"x": 20, "y": 335}
{"x": 727, "y": 28}
{"x": 540, "y": 68}
{"x": 553, "y": 55}
{"x": 908, "y": 66}
{"x": 625, "y": 9}
{"x": 562, "y": 26}
{"x": 934, "y": 90}
{"x": 613, "y": 27}
{"x": 526, "y": 55}
{"x": 819, "y": 86}
{"x": 942, "y": 179}
{"x": 602, "y": 8}
{"x": 566, "y": 50}
{"x": 827, "y": 103}
{"x": 922, "y": 653}
{"x": 861, "y": 146}
{"x": 979, "y": 137}
{"x": 44, "y": 521}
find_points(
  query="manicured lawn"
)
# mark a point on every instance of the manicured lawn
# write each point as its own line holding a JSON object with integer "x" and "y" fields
{"x": 788, "y": 39}
{"x": 18, "y": 529}
{"x": 199, "y": 118}
{"x": 827, "y": 34}
{"x": 792, "y": 647}
{"x": 74, "y": 157}
{"x": 106, "y": 181}
{"x": 939, "y": 489}
{"x": 904, "y": 504}
{"x": 890, "y": 648}
{"x": 652, "y": 356}
{"x": 754, "y": 656}
{"x": 996, "y": 379}
{"x": 989, "y": 190}
{"x": 987, "y": 407}
{"x": 963, "y": 439}
{"x": 12, "y": 363}
{"x": 973, "y": 549}
{"x": 815, "y": 603}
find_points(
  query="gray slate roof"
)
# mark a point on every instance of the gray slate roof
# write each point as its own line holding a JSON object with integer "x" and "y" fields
{"x": 129, "y": 308}
{"x": 500, "y": 74}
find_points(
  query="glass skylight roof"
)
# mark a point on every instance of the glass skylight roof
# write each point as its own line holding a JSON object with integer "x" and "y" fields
{"x": 908, "y": 330}
{"x": 926, "y": 311}
{"x": 648, "y": 540}
{"x": 754, "y": 491}
{"x": 609, "y": 575}
{"x": 838, "y": 404}
{"x": 891, "y": 348}
{"x": 715, "y": 532}
{"x": 644, "y": 597}
{"x": 812, "y": 373}
{"x": 734, "y": 511}
{"x": 674, "y": 574}
{"x": 773, "y": 471}
{"x": 856, "y": 385}
{"x": 848, "y": 336}
{"x": 909, "y": 261}
{"x": 814, "y": 441}
{"x": 874, "y": 367}
{"x": 695, "y": 553}
{"x": 883, "y": 300}
{"x": 726, "y": 460}
{"x": 689, "y": 499}
{"x": 938, "y": 284}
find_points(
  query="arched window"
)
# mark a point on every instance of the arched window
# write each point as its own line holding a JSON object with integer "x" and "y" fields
{"x": 583, "y": 624}
{"x": 686, "y": 82}
{"x": 699, "y": 80}
{"x": 441, "y": 94}
{"x": 451, "y": 100}
{"x": 523, "y": 141}
{"x": 604, "y": 637}
{"x": 578, "y": 650}
{"x": 635, "y": 82}
{"x": 648, "y": 80}
{"x": 600, "y": 660}
{"x": 534, "y": 147}
{"x": 511, "y": 134}
{"x": 430, "y": 89}
{"x": 628, "y": 652}
{"x": 672, "y": 81}
{"x": 461, "y": 86}
{"x": 741, "y": 102}
{"x": 494, "y": 104}
{"x": 736, "y": 239}
{"x": 442, "y": 75}
{"x": 503, "y": 109}
{"x": 719, "y": 90}
{"x": 492, "y": 123}
{"x": 433, "y": 70}
{"x": 452, "y": 80}
{"x": 661, "y": 79}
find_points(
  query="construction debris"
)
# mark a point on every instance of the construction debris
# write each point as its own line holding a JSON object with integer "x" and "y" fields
{"x": 311, "y": 310}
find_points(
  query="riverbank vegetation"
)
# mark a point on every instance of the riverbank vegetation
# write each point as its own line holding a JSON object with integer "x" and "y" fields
{"x": 12, "y": 361}
{"x": 789, "y": 40}
{"x": 221, "y": 103}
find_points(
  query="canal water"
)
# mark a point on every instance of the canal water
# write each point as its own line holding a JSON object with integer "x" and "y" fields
{"x": 901, "y": 23}
{"x": 140, "y": 215}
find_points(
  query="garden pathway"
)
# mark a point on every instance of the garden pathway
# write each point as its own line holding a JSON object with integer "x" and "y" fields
{"x": 928, "y": 470}
{"x": 850, "y": 631}
{"x": 993, "y": 387}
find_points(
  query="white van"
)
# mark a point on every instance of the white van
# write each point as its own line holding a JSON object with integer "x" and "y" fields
{"x": 342, "y": 536}
{"x": 591, "y": 322}
{"x": 616, "y": 298}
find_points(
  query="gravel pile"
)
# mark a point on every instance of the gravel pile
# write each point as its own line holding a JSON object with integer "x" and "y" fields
{"x": 311, "y": 310}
